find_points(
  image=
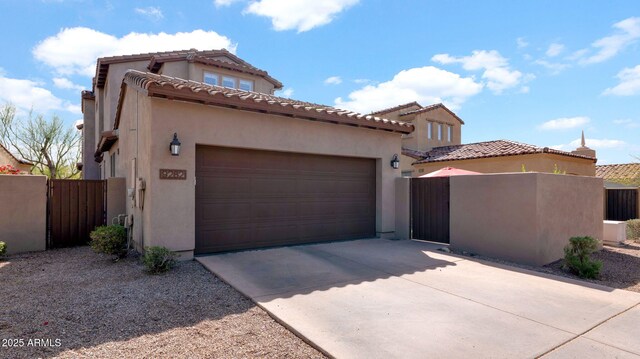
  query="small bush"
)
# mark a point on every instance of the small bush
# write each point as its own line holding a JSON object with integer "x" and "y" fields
{"x": 158, "y": 259}
{"x": 633, "y": 229}
{"x": 577, "y": 257}
{"x": 109, "y": 240}
{"x": 3, "y": 249}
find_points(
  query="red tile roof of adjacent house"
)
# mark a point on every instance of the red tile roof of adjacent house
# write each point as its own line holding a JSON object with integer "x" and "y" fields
{"x": 20, "y": 161}
{"x": 431, "y": 108}
{"x": 157, "y": 58}
{"x": 396, "y": 108}
{"x": 418, "y": 155}
{"x": 174, "y": 88}
{"x": 619, "y": 171}
{"x": 488, "y": 149}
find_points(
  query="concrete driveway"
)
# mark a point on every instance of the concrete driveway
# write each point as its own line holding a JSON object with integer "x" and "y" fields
{"x": 405, "y": 299}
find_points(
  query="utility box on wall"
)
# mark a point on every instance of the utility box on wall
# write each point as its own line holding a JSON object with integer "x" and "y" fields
{"x": 524, "y": 217}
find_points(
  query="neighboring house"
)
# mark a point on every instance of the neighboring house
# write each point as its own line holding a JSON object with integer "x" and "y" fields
{"x": 7, "y": 158}
{"x": 253, "y": 170}
{"x": 626, "y": 174}
{"x": 436, "y": 143}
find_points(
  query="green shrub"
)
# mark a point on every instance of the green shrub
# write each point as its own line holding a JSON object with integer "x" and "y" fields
{"x": 109, "y": 240}
{"x": 158, "y": 259}
{"x": 577, "y": 257}
{"x": 633, "y": 229}
{"x": 3, "y": 249}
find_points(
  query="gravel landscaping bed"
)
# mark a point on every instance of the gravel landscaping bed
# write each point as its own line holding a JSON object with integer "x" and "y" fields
{"x": 73, "y": 303}
{"x": 620, "y": 266}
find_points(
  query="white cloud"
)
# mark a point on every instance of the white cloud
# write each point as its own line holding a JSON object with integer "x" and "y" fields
{"x": 627, "y": 32}
{"x": 629, "y": 83}
{"x": 221, "y": 3}
{"x": 66, "y": 84}
{"x": 597, "y": 143}
{"x": 522, "y": 43}
{"x": 627, "y": 122}
{"x": 554, "y": 50}
{"x": 358, "y": 81}
{"x": 288, "y": 92}
{"x": 333, "y": 80}
{"x": 75, "y": 50}
{"x": 497, "y": 72}
{"x": 153, "y": 13}
{"x": 554, "y": 67}
{"x": 28, "y": 94}
{"x": 426, "y": 85}
{"x": 565, "y": 123}
{"x": 301, "y": 15}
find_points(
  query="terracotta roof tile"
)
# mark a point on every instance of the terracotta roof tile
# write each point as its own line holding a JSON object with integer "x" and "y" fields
{"x": 487, "y": 149}
{"x": 169, "y": 87}
{"x": 619, "y": 171}
{"x": 418, "y": 155}
{"x": 157, "y": 58}
{"x": 396, "y": 108}
{"x": 20, "y": 161}
{"x": 431, "y": 108}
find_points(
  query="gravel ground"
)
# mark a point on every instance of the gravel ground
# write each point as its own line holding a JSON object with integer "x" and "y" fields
{"x": 86, "y": 306}
{"x": 620, "y": 266}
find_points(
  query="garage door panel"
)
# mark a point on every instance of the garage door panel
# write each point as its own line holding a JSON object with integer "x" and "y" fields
{"x": 252, "y": 199}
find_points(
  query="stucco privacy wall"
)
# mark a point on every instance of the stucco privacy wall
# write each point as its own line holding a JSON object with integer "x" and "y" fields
{"x": 523, "y": 217}
{"x": 23, "y": 212}
{"x": 169, "y": 208}
{"x": 540, "y": 162}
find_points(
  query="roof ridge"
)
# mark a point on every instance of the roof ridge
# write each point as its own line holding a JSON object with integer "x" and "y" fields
{"x": 394, "y": 108}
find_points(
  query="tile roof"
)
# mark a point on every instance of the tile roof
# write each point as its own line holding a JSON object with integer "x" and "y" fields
{"x": 157, "y": 58}
{"x": 418, "y": 155}
{"x": 431, "y": 108}
{"x": 179, "y": 89}
{"x": 20, "y": 161}
{"x": 619, "y": 171}
{"x": 488, "y": 149}
{"x": 396, "y": 108}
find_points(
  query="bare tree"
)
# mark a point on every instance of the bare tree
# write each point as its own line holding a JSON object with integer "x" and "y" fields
{"x": 52, "y": 148}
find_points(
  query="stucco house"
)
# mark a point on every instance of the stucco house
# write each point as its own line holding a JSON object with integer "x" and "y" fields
{"x": 7, "y": 158}
{"x": 437, "y": 143}
{"x": 213, "y": 161}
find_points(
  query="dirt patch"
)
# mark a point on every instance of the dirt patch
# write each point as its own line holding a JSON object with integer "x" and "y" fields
{"x": 74, "y": 303}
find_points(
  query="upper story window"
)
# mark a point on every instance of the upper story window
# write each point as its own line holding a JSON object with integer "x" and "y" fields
{"x": 439, "y": 132}
{"x": 211, "y": 79}
{"x": 429, "y": 134}
{"x": 450, "y": 133}
{"x": 245, "y": 85}
{"x": 228, "y": 81}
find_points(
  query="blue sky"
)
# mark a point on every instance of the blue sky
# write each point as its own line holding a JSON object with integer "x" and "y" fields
{"x": 537, "y": 72}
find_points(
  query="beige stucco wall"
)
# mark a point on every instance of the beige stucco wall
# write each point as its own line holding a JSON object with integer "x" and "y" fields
{"x": 116, "y": 198}
{"x": 523, "y": 217}
{"x": 23, "y": 213}
{"x": 538, "y": 162}
{"x": 169, "y": 207}
{"x": 7, "y": 159}
{"x": 418, "y": 140}
{"x": 403, "y": 208}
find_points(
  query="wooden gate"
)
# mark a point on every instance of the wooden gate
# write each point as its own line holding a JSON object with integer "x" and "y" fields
{"x": 430, "y": 209}
{"x": 75, "y": 208}
{"x": 622, "y": 204}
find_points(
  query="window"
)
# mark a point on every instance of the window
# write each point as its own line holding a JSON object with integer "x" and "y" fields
{"x": 246, "y": 85}
{"x": 228, "y": 81}
{"x": 439, "y": 132}
{"x": 429, "y": 134}
{"x": 450, "y": 134}
{"x": 211, "y": 79}
{"x": 113, "y": 164}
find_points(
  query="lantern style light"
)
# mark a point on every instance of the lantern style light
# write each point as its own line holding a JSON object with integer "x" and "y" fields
{"x": 174, "y": 146}
{"x": 395, "y": 162}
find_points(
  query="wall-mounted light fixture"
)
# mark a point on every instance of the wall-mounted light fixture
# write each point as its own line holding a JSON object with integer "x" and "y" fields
{"x": 174, "y": 146}
{"x": 395, "y": 162}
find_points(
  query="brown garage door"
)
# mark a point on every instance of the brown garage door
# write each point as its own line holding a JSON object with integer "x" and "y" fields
{"x": 251, "y": 199}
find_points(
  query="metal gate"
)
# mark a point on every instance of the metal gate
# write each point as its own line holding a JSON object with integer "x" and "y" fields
{"x": 74, "y": 209}
{"x": 430, "y": 209}
{"x": 622, "y": 204}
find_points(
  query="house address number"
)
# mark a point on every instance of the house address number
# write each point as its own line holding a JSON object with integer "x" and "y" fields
{"x": 173, "y": 174}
